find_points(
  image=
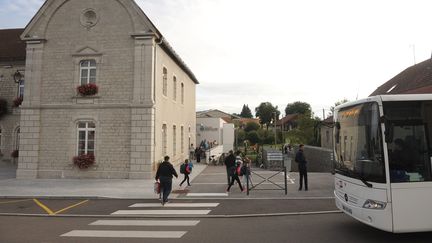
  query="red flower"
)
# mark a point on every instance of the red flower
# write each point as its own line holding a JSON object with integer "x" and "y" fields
{"x": 17, "y": 101}
{"x": 87, "y": 89}
{"x": 84, "y": 161}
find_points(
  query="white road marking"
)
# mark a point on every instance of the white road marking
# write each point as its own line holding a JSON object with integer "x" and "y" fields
{"x": 124, "y": 234}
{"x": 146, "y": 222}
{"x": 161, "y": 212}
{"x": 207, "y": 194}
{"x": 174, "y": 205}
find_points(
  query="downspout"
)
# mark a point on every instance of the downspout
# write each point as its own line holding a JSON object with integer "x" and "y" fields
{"x": 154, "y": 95}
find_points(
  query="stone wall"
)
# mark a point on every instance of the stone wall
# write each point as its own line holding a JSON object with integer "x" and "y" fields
{"x": 319, "y": 159}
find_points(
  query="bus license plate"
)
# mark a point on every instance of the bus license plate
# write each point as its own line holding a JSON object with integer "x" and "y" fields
{"x": 347, "y": 209}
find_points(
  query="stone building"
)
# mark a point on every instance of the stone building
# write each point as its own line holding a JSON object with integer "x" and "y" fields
{"x": 145, "y": 104}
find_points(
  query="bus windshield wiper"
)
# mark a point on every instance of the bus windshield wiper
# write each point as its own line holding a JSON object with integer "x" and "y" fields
{"x": 368, "y": 184}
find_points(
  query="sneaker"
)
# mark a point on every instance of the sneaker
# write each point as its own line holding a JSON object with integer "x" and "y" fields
{"x": 299, "y": 189}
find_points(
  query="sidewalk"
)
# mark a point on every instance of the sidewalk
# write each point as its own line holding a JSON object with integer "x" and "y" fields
{"x": 86, "y": 188}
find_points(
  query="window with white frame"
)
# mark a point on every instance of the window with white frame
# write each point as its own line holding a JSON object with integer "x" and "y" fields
{"x": 182, "y": 93}
{"x": 165, "y": 81}
{"x": 21, "y": 88}
{"x": 174, "y": 88}
{"x": 87, "y": 72}
{"x": 164, "y": 139}
{"x": 86, "y": 137}
{"x": 174, "y": 140}
{"x": 182, "y": 139}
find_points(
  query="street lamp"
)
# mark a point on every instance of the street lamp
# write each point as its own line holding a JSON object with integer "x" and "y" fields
{"x": 275, "y": 128}
{"x": 17, "y": 76}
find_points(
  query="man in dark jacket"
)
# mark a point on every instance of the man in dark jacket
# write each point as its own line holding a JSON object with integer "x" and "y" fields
{"x": 165, "y": 174}
{"x": 301, "y": 160}
{"x": 229, "y": 163}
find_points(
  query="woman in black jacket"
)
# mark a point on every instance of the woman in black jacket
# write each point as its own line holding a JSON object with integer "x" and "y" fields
{"x": 165, "y": 174}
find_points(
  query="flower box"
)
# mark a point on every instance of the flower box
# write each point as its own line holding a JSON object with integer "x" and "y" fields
{"x": 15, "y": 154}
{"x": 84, "y": 161}
{"x": 17, "y": 101}
{"x": 87, "y": 89}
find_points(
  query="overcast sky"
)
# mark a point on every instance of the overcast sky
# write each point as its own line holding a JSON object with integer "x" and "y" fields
{"x": 282, "y": 51}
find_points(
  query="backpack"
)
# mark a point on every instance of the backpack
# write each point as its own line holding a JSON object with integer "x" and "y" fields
{"x": 243, "y": 170}
{"x": 188, "y": 169}
{"x": 183, "y": 168}
{"x": 239, "y": 171}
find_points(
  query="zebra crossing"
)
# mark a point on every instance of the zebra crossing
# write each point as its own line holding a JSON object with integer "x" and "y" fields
{"x": 146, "y": 209}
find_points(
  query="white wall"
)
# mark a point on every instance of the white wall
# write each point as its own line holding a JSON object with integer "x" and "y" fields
{"x": 210, "y": 129}
{"x": 228, "y": 137}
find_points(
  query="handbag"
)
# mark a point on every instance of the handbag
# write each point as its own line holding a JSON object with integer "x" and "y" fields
{"x": 157, "y": 187}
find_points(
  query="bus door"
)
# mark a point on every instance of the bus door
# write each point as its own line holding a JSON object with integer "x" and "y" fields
{"x": 410, "y": 176}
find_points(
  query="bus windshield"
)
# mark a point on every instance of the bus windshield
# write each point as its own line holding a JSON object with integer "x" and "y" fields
{"x": 409, "y": 125}
{"x": 358, "y": 143}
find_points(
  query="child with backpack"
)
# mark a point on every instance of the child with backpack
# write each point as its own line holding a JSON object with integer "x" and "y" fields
{"x": 235, "y": 171}
{"x": 186, "y": 169}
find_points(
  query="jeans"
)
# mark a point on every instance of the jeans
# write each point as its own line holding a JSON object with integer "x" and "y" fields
{"x": 166, "y": 187}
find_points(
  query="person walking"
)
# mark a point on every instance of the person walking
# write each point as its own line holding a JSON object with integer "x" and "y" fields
{"x": 165, "y": 174}
{"x": 235, "y": 172}
{"x": 229, "y": 162}
{"x": 301, "y": 160}
{"x": 186, "y": 169}
{"x": 246, "y": 172}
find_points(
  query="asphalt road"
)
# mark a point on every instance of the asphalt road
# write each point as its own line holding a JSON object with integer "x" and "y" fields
{"x": 300, "y": 228}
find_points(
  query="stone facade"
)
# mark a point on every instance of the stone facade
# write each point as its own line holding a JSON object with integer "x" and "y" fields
{"x": 130, "y": 108}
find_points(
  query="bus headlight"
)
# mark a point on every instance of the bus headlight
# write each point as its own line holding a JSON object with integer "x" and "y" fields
{"x": 371, "y": 204}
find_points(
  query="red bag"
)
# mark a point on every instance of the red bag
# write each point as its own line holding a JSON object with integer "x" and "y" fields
{"x": 157, "y": 187}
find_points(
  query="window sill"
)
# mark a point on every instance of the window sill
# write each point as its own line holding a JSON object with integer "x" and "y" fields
{"x": 86, "y": 99}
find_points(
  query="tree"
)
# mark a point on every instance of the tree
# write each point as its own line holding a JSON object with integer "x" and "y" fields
{"x": 265, "y": 111}
{"x": 298, "y": 107}
{"x": 253, "y": 138}
{"x": 251, "y": 126}
{"x": 340, "y": 102}
{"x": 246, "y": 112}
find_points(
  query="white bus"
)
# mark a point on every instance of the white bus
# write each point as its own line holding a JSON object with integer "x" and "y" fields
{"x": 382, "y": 152}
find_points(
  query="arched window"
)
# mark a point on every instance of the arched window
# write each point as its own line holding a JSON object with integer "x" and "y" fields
{"x": 87, "y": 72}
{"x": 86, "y": 138}
{"x": 174, "y": 140}
{"x": 164, "y": 139}
{"x": 165, "y": 82}
{"x": 174, "y": 88}
{"x": 21, "y": 88}
{"x": 182, "y": 139}
{"x": 182, "y": 93}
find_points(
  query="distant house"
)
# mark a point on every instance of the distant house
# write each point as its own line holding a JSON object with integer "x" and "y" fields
{"x": 327, "y": 133}
{"x": 215, "y": 126}
{"x": 416, "y": 79}
{"x": 288, "y": 122}
{"x": 241, "y": 122}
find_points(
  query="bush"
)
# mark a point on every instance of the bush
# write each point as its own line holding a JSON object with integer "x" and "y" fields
{"x": 251, "y": 126}
{"x": 84, "y": 161}
{"x": 253, "y": 137}
{"x": 87, "y": 89}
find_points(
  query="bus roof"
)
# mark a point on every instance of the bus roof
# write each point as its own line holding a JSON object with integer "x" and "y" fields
{"x": 394, "y": 97}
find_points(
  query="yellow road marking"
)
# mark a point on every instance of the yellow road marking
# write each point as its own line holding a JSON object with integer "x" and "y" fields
{"x": 43, "y": 207}
{"x": 72, "y": 206}
{"x": 22, "y": 200}
{"x": 50, "y": 212}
